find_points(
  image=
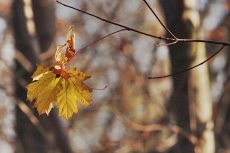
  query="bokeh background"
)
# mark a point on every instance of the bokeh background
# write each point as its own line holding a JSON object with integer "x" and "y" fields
{"x": 185, "y": 113}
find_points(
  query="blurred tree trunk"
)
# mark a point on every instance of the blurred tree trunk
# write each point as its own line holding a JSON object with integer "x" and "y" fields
{"x": 29, "y": 138}
{"x": 222, "y": 109}
{"x": 192, "y": 88}
{"x": 34, "y": 27}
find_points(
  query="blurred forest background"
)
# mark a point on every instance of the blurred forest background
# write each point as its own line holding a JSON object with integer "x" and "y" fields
{"x": 186, "y": 113}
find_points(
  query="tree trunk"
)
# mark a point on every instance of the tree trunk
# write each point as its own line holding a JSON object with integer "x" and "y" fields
{"x": 34, "y": 27}
{"x": 192, "y": 88}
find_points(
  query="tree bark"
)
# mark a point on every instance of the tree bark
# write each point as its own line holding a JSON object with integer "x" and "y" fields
{"x": 34, "y": 27}
{"x": 192, "y": 88}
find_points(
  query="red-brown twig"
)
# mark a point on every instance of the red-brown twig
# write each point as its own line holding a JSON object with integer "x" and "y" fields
{"x": 154, "y": 127}
{"x": 162, "y": 24}
{"x": 173, "y": 40}
{"x": 127, "y": 28}
{"x": 188, "y": 68}
{"x": 146, "y": 34}
{"x": 98, "y": 41}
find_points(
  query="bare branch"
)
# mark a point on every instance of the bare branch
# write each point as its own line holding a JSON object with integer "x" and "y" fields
{"x": 98, "y": 41}
{"x": 188, "y": 68}
{"x": 205, "y": 41}
{"x": 153, "y": 127}
{"x": 162, "y": 24}
{"x": 127, "y": 28}
{"x": 34, "y": 120}
{"x": 168, "y": 44}
{"x": 174, "y": 40}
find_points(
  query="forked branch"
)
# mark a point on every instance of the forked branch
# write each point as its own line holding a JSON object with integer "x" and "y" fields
{"x": 117, "y": 24}
{"x": 173, "y": 40}
{"x": 159, "y": 20}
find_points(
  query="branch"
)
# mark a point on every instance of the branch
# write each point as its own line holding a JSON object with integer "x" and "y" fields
{"x": 174, "y": 39}
{"x": 205, "y": 41}
{"x": 34, "y": 120}
{"x": 98, "y": 41}
{"x": 153, "y": 127}
{"x": 188, "y": 68}
{"x": 162, "y": 24}
{"x": 119, "y": 25}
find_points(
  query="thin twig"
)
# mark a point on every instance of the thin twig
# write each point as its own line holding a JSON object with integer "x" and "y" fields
{"x": 154, "y": 127}
{"x": 205, "y": 41}
{"x": 34, "y": 120}
{"x": 173, "y": 40}
{"x": 127, "y": 28}
{"x": 162, "y": 24}
{"x": 146, "y": 34}
{"x": 168, "y": 44}
{"x": 98, "y": 41}
{"x": 188, "y": 68}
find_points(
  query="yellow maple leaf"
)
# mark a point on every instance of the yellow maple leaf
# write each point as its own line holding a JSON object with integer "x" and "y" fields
{"x": 57, "y": 85}
{"x": 73, "y": 89}
{"x": 41, "y": 70}
{"x": 48, "y": 96}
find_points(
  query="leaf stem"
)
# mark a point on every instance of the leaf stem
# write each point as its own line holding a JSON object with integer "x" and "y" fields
{"x": 97, "y": 41}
